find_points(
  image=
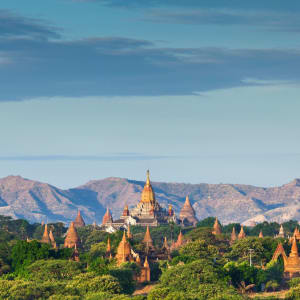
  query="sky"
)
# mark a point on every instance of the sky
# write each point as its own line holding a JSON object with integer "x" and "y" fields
{"x": 196, "y": 91}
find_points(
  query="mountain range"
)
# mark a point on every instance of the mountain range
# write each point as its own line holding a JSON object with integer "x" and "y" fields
{"x": 37, "y": 202}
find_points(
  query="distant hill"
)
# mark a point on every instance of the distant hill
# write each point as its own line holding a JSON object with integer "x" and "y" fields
{"x": 36, "y": 201}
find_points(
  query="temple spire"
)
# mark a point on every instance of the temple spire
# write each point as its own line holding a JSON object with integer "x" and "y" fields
{"x": 108, "y": 248}
{"x": 107, "y": 218}
{"x": 216, "y": 228}
{"x": 129, "y": 234}
{"x": 147, "y": 238}
{"x": 72, "y": 238}
{"x": 242, "y": 233}
{"x": 53, "y": 243}
{"x": 148, "y": 178}
{"x": 46, "y": 239}
{"x": 261, "y": 234}
{"x": 79, "y": 222}
{"x": 233, "y": 235}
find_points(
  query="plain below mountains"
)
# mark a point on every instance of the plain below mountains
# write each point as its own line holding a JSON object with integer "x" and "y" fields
{"x": 37, "y": 202}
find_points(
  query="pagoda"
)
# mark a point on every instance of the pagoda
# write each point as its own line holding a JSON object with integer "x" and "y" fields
{"x": 165, "y": 244}
{"x": 147, "y": 238}
{"x": 124, "y": 251}
{"x": 53, "y": 243}
{"x": 45, "y": 238}
{"x": 242, "y": 233}
{"x": 187, "y": 214}
{"x": 281, "y": 232}
{"x": 129, "y": 234}
{"x": 107, "y": 218}
{"x": 260, "y": 234}
{"x": 180, "y": 242}
{"x": 148, "y": 211}
{"x": 233, "y": 237}
{"x": 79, "y": 222}
{"x": 216, "y": 229}
{"x": 72, "y": 238}
{"x": 292, "y": 265}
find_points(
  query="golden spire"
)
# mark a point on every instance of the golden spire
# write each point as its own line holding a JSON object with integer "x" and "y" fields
{"x": 165, "y": 245}
{"x": 261, "y": 234}
{"x": 129, "y": 234}
{"x": 108, "y": 248}
{"x": 148, "y": 178}
{"x": 46, "y": 239}
{"x": 147, "y": 238}
{"x": 216, "y": 228}
{"x": 233, "y": 235}
{"x": 294, "y": 250}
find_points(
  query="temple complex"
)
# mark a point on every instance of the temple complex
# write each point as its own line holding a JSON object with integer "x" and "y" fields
{"x": 242, "y": 233}
{"x": 72, "y": 238}
{"x": 45, "y": 238}
{"x": 187, "y": 214}
{"x": 217, "y": 228}
{"x": 79, "y": 222}
{"x": 148, "y": 211}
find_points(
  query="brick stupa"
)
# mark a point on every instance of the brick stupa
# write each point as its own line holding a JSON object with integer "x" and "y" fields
{"x": 72, "y": 238}
{"x": 242, "y": 233}
{"x": 217, "y": 228}
{"x": 147, "y": 238}
{"x": 45, "y": 238}
{"x": 51, "y": 236}
{"x": 233, "y": 237}
{"x": 107, "y": 218}
{"x": 79, "y": 222}
{"x": 293, "y": 262}
{"x": 187, "y": 214}
{"x": 124, "y": 251}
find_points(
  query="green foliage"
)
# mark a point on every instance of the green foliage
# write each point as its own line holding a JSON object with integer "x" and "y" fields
{"x": 272, "y": 285}
{"x": 125, "y": 278}
{"x": 274, "y": 271}
{"x": 54, "y": 270}
{"x": 91, "y": 283}
{"x": 294, "y": 282}
{"x": 208, "y": 222}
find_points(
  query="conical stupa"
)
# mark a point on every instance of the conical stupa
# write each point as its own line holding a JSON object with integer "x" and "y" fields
{"x": 216, "y": 229}
{"x": 79, "y": 222}
{"x": 147, "y": 238}
{"x": 107, "y": 218}
{"x": 72, "y": 238}
{"x": 108, "y": 247}
{"x": 293, "y": 261}
{"x": 45, "y": 238}
{"x": 260, "y": 234}
{"x": 165, "y": 244}
{"x": 129, "y": 234}
{"x": 242, "y": 234}
{"x": 51, "y": 236}
{"x": 187, "y": 214}
{"x": 124, "y": 251}
{"x": 233, "y": 237}
{"x": 281, "y": 232}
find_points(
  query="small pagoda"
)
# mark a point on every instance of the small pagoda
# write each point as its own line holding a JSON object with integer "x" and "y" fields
{"x": 233, "y": 236}
{"x": 79, "y": 222}
{"x": 72, "y": 238}
{"x": 216, "y": 228}
{"x": 242, "y": 233}
{"x": 45, "y": 238}
{"x": 124, "y": 251}
{"x": 52, "y": 239}
{"x": 147, "y": 238}
{"x": 293, "y": 262}
{"x": 107, "y": 218}
{"x": 187, "y": 214}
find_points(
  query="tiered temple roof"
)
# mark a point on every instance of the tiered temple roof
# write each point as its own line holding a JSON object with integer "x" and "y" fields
{"x": 242, "y": 233}
{"x": 79, "y": 222}
{"x": 216, "y": 229}
{"x": 187, "y": 213}
{"x": 72, "y": 238}
{"x": 45, "y": 238}
{"x": 107, "y": 218}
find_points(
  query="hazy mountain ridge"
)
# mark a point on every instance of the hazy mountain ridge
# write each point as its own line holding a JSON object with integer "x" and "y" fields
{"x": 36, "y": 201}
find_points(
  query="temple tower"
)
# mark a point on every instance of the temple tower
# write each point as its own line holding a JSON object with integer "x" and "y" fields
{"x": 147, "y": 238}
{"x": 216, "y": 229}
{"x": 79, "y": 222}
{"x": 293, "y": 262}
{"x": 124, "y": 251}
{"x": 129, "y": 234}
{"x": 45, "y": 238}
{"x": 260, "y": 234}
{"x": 53, "y": 243}
{"x": 107, "y": 218}
{"x": 187, "y": 213}
{"x": 108, "y": 247}
{"x": 72, "y": 238}
{"x": 242, "y": 234}
{"x": 233, "y": 237}
{"x": 281, "y": 232}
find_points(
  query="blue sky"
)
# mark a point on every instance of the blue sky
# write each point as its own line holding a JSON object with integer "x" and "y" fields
{"x": 197, "y": 91}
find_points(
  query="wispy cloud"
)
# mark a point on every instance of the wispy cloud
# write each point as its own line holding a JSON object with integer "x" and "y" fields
{"x": 117, "y": 66}
{"x": 112, "y": 157}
